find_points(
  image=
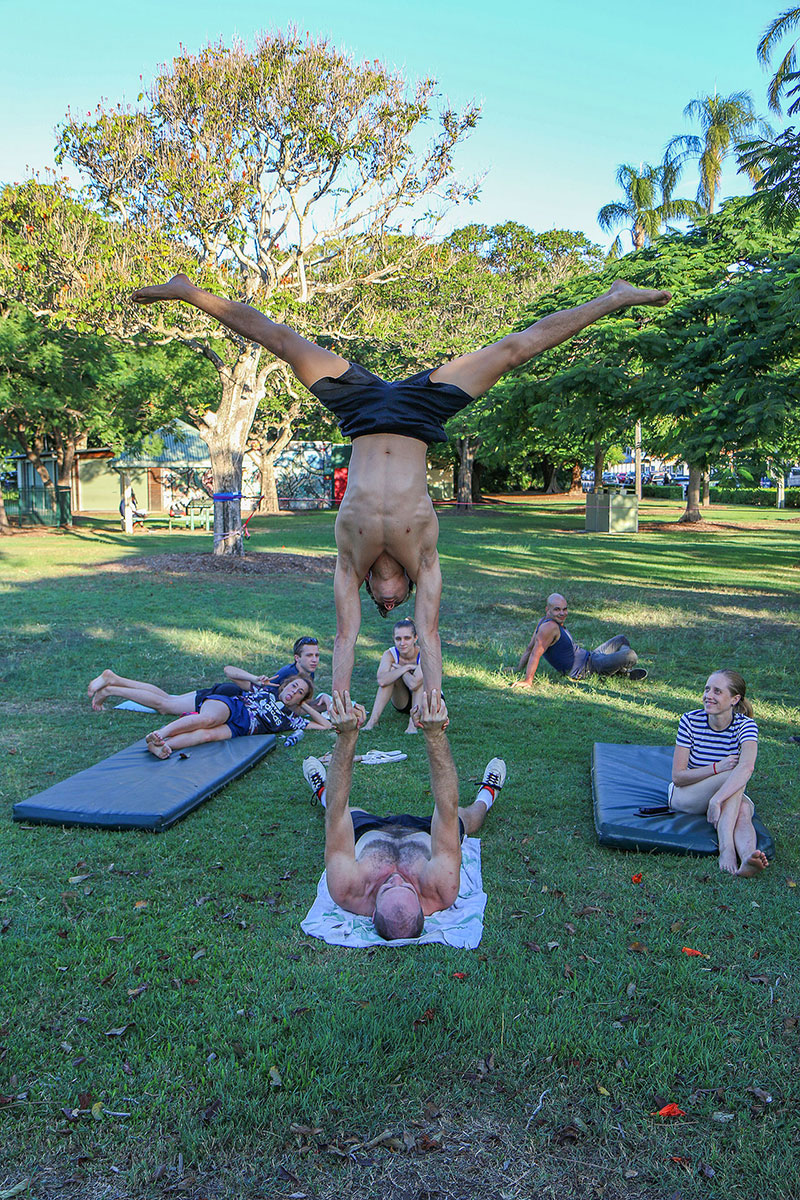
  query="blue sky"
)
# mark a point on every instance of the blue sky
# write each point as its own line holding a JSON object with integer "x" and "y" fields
{"x": 569, "y": 90}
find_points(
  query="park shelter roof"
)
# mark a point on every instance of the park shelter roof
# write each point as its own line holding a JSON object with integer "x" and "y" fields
{"x": 174, "y": 445}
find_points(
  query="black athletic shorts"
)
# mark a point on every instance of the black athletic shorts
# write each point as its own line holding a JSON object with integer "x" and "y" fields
{"x": 414, "y": 407}
{"x": 219, "y": 689}
{"x": 364, "y": 822}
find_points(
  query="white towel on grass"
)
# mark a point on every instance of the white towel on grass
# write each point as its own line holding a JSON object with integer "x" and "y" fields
{"x": 133, "y": 706}
{"x": 460, "y": 925}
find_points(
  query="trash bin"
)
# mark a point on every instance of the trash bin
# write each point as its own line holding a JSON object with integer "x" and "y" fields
{"x": 612, "y": 511}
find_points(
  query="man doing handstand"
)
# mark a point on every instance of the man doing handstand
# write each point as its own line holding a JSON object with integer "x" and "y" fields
{"x": 386, "y": 528}
{"x": 400, "y": 869}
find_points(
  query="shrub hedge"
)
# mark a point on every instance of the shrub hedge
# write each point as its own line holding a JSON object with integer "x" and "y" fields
{"x": 761, "y": 497}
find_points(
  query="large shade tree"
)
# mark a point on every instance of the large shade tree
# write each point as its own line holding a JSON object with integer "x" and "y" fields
{"x": 281, "y": 172}
{"x": 715, "y": 371}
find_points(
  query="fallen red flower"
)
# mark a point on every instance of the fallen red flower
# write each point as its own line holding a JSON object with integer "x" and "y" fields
{"x": 459, "y": 975}
{"x": 669, "y": 1110}
{"x": 691, "y": 952}
{"x": 637, "y": 878}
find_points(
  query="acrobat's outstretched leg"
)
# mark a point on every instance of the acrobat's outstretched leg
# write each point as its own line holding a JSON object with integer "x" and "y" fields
{"x": 309, "y": 362}
{"x": 475, "y": 373}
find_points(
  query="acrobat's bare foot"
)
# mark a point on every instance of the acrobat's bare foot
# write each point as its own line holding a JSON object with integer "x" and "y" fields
{"x": 157, "y": 746}
{"x": 411, "y": 727}
{"x": 369, "y": 725}
{"x": 174, "y": 289}
{"x": 727, "y": 861}
{"x": 627, "y": 294}
{"x": 102, "y": 680}
{"x": 713, "y": 812}
{"x": 754, "y": 865}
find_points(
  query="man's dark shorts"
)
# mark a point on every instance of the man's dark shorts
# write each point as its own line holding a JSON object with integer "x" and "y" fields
{"x": 239, "y": 721}
{"x": 364, "y": 822}
{"x": 414, "y": 407}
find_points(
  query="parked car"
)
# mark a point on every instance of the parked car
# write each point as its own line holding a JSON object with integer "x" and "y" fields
{"x": 793, "y": 478}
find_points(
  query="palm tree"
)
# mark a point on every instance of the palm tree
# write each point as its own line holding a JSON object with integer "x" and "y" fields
{"x": 648, "y": 202}
{"x": 786, "y": 73}
{"x": 723, "y": 121}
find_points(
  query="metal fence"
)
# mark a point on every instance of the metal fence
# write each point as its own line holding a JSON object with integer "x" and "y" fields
{"x": 39, "y": 506}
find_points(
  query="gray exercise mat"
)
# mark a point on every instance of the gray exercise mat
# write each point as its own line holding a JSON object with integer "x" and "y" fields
{"x": 627, "y": 778}
{"x": 134, "y": 790}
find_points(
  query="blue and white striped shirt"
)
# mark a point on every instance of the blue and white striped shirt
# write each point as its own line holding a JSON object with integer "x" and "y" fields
{"x": 707, "y": 745}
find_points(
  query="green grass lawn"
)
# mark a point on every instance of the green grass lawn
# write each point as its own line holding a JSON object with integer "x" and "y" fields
{"x": 256, "y": 1062}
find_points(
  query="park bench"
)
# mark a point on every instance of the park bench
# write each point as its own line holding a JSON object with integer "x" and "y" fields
{"x": 198, "y": 512}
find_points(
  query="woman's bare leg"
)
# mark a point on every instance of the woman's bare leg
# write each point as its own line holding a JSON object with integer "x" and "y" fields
{"x": 382, "y": 698}
{"x": 475, "y": 373}
{"x": 752, "y": 861}
{"x": 696, "y": 797}
{"x": 208, "y": 725}
{"x": 726, "y": 823}
{"x": 309, "y": 362}
{"x": 413, "y": 684}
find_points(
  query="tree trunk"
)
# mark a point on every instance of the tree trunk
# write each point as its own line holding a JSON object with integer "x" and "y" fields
{"x": 466, "y": 460}
{"x": 34, "y": 449}
{"x": 550, "y": 477}
{"x": 575, "y": 485}
{"x": 66, "y": 447}
{"x": 268, "y": 451}
{"x": 225, "y": 432}
{"x": 692, "y": 513}
{"x": 706, "y": 489}
{"x": 477, "y": 471}
{"x": 780, "y": 494}
{"x": 599, "y": 463}
{"x": 268, "y": 499}
{"x": 4, "y": 525}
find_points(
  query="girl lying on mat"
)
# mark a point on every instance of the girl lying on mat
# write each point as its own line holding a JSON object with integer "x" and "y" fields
{"x": 715, "y": 753}
{"x": 223, "y": 716}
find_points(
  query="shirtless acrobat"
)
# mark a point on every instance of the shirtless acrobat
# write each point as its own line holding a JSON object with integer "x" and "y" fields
{"x": 400, "y": 869}
{"x": 386, "y": 528}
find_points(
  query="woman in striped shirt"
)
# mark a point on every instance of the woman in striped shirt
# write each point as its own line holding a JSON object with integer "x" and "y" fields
{"x": 715, "y": 753}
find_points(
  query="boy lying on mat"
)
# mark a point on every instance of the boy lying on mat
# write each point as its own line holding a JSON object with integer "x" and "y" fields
{"x": 223, "y": 716}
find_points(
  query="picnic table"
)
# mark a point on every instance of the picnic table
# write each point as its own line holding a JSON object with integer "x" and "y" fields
{"x": 198, "y": 512}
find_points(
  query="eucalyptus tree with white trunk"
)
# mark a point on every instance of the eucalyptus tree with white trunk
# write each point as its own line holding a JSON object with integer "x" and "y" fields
{"x": 282, "y": 172}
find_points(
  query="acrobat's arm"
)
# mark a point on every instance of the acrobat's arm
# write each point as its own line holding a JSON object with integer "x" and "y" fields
{"x": 346, "y": 586}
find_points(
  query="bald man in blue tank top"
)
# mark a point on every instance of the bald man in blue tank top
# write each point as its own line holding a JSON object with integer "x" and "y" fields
{"x": 386, "y": 529}
{"x": 552, "y": 641}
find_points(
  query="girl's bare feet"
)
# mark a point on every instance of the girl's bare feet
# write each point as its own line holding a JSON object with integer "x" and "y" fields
{"x": 157, "y": 746}
{"x": 174, "y": 289}
{"x": 754, "y": 865}
{"x": 713, "y": 811}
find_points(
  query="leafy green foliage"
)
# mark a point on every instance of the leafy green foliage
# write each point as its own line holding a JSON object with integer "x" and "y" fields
{"x": 713, "y": 372}
{"x": 59, "y": 386}
{"x": 785, "y": 79}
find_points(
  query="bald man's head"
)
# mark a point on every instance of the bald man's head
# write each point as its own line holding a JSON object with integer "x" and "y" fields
{"x": 556, "y": 607}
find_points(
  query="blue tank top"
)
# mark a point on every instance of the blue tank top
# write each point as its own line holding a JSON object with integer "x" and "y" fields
{"x": 561, "y": 655}
{"x": 396, "y": 654}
